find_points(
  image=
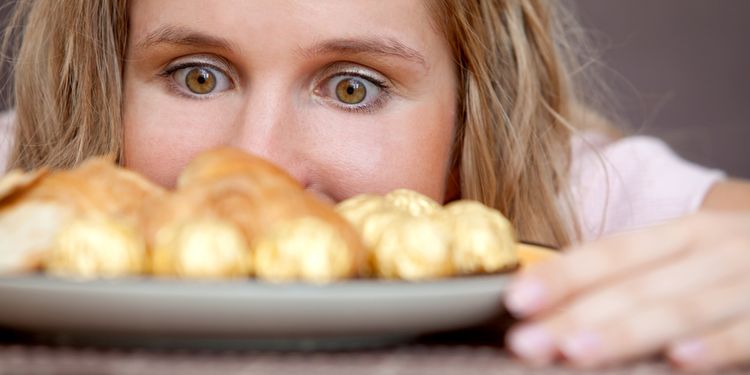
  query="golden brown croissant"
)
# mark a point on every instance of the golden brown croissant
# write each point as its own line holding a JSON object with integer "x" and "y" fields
{"x": 27, "y": 230}
{"x": 236, "y": 215}
{"x": 97, "y": 246}
{"x": 212, "y": 165}
{"x": 38, "y": 206}
{"x": 260, "y": 201}
{"x": 201, "y": 247}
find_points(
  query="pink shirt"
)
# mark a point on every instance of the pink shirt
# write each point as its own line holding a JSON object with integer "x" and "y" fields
{"x": 617, "y": 186}
{"x": 633, "y": 182}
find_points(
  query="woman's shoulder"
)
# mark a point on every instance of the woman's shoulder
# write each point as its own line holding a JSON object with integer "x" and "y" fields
{"x": 6, "y": 137}
{"x": 633, "y": 182}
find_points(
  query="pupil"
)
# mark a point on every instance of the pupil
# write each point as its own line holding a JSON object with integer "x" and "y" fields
{"x": 351, "y": 91}
{"x": 200, "y": 81}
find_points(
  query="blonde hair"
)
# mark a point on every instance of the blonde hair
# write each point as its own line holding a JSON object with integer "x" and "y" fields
{"x": 518, "y": 106}
{"x": 67, "y": 80}
{"x": 516, "y": 99}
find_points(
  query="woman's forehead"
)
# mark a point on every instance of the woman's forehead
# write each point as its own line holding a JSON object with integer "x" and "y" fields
{"x": 395, "y": 28}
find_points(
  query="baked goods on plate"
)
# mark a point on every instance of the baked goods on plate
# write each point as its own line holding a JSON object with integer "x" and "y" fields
{"x": 233, "y": 215}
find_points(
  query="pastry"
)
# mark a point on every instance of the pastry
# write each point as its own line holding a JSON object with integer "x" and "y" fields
{"x": 483, "y": 239}
{"x": 35, "y": 206}
{"x": 234, "y": 215}
{"x": 410, "y": 236}
{"x": 258, "y": 199}
{"x": 97, "y": 246}
{"x": 305, "y": 248}
{"x": 206, "y": 248}
{"x": 412, "y": 202}
{"x": 413, "y": 248}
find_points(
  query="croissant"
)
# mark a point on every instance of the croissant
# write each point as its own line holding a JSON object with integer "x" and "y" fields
{"x": 27, "y": 229}
{"x": 36, "y": 208}
{"x": 260, "y": 201}
{"x": 222, "y": 162}
{"x": 207, "y": 248}
{"x": 236, "y": 215}
{"x": 93, "y": 247}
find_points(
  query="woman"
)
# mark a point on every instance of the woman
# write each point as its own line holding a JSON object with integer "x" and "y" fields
{"x": 470, "y": 99}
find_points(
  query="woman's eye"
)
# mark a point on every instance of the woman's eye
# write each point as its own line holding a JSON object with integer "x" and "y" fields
{"x": 202, "y": 80}
{"x": 352, "y": 90}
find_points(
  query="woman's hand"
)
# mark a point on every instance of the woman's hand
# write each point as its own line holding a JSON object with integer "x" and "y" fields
{"x": 682, "y": 289}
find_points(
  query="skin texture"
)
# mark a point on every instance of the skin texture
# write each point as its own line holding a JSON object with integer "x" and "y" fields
{"x": 680, "y": 288}
{"x": 275, "y": 96}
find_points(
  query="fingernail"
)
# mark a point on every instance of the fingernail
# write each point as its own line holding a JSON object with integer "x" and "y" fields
{"x": 525, "y": 297}
{"x": 687, "y": 353}
{"x": 532, "y": 343}
{"x": 583, "y": 348}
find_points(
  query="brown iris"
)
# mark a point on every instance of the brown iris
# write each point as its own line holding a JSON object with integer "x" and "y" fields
{"x": 200, "y": 80}
{"x": 351, "y": 91}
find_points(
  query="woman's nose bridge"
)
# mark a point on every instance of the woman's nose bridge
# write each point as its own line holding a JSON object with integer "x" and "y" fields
{"x": 265, "y": 126}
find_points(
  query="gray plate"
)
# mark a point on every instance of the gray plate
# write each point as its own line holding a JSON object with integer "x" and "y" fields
{"x": 346, "y": 312}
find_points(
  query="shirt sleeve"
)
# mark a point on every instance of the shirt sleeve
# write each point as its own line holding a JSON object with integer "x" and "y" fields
{"x": 632, "y": 183}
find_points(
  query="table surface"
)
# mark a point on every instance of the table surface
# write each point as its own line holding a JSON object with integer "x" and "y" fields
{"x": 467, "y": 352}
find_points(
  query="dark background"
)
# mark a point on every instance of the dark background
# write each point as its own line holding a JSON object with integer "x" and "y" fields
{"x": 677, "y": 69}
{"x": 680, "y": 70}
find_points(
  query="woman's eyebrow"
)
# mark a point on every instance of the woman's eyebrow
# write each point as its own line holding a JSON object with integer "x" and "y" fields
{"x": 180, "y": 35}
{"x": 375, "y": 46}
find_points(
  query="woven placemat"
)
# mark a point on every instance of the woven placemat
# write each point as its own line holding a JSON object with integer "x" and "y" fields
{"x": 413, "y": 359}
{"x": 476, "y": 350}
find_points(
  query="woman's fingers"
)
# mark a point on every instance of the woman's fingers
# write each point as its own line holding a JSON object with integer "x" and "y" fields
{"x": 634, "y": 294}
{"x": 723, "y": 347}
{"x": 644, "y": 330}
{"x": 544, "y": 285}
{"x": 538, "y": 342}
{"x": 608, "y": 326}
{"x": 653, "y": 327}
{"x": 684, "y": 277}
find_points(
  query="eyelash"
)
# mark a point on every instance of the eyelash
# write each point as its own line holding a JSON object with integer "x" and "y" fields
{"x": 168, "y": 75}
{"x": 385, "y": 91}
{"x": 382, "y": 85}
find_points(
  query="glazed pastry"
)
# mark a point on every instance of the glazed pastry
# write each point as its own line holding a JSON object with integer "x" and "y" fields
{"x": 97, "y": 186}
{"x": 254, "y": 196}
{"x": 404, "y": 236}
{"x": 412, "y": 202}
{"x": 26, "y": 230}
{"x": 306, "y": 248}
{"x": 413, "y": 248}
{"x": 371, "y": 228}
{"x": 357, "y": 208}
{"x": 97, "y": 247}
{"x": 210, "y": 166}
{"x": 410, "y": 236}
{"x": 208, "y": 248}
{"x": 483, "y": 239}
{"x": 37, "y": 205}
{"x": 17, "y": 181}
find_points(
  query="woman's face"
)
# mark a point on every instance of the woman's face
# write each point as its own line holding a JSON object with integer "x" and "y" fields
{"x": 347, "y": 96}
